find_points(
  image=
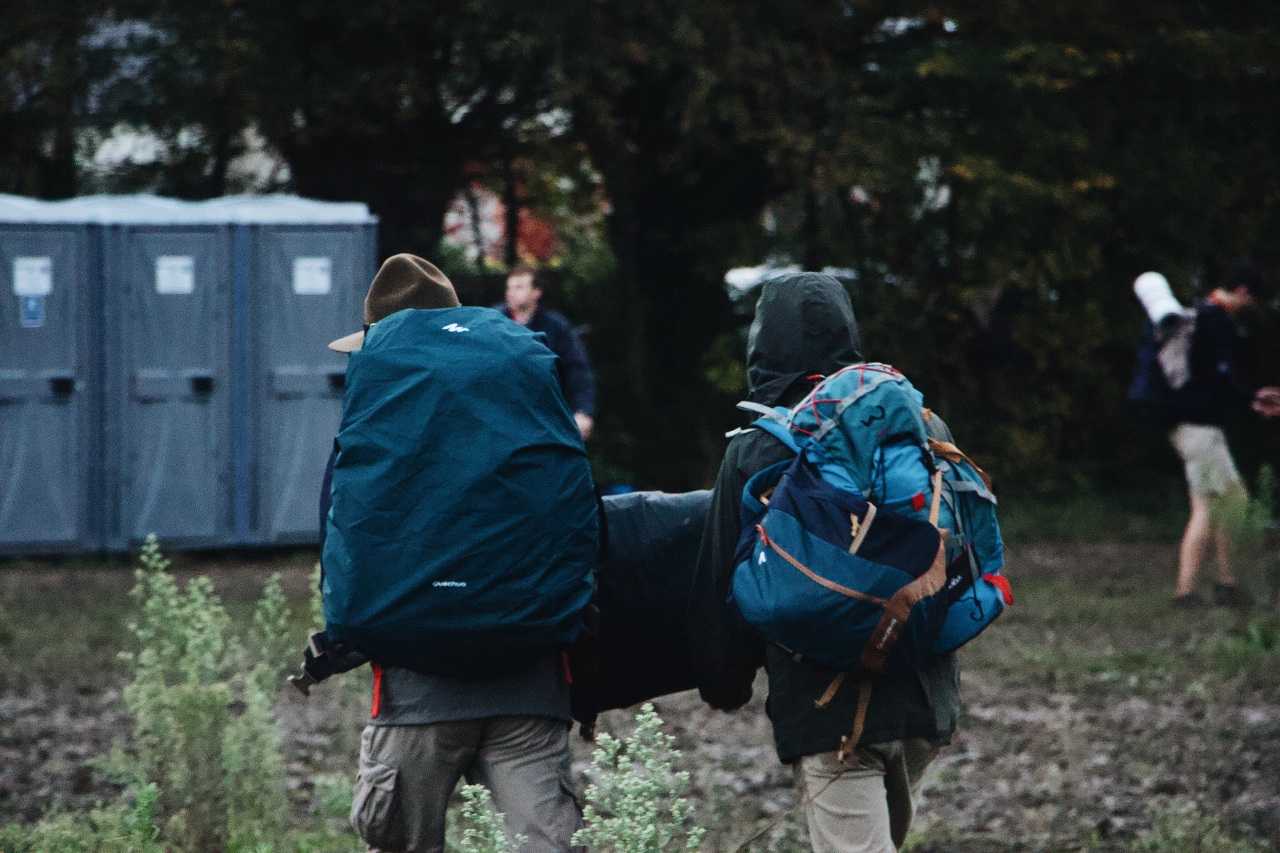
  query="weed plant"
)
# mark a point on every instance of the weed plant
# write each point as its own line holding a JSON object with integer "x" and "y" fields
{"x": 483, "y": 830}
{"x": 128, "y": 826}
{"x": 636, "y": 801}
{"x": 205, "y": 769}
{"x": 204, "y": 765}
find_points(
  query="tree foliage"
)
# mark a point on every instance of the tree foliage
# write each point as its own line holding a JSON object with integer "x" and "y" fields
{"x": 993, "y": 175}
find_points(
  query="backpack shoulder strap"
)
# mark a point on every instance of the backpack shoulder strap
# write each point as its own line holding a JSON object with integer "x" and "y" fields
{"x": 779, "y": 430}
{"x": 766, "y": 414}
{"x": 774, "y": 420}
{"x": 778, "y": 413}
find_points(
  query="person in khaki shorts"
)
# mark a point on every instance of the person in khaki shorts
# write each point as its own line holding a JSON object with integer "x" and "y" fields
{"x": 1200, "y": 409}
{"x": 508, "y": 732}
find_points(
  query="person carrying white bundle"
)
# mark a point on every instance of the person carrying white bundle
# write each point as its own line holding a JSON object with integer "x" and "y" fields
{"x": 1188, "y": 378}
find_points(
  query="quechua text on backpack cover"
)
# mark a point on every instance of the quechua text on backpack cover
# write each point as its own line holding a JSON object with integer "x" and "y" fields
{"x": 462, "y": 535}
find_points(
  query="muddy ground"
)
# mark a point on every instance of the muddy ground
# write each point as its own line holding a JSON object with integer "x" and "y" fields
{"x": 1092, "y": 708}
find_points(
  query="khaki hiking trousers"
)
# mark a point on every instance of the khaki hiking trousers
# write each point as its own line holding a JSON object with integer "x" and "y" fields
{"x": 408, "y": 773}
{"x": 865, "y": 804}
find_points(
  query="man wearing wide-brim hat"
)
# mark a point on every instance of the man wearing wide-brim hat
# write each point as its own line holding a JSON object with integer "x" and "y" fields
{"x": 508, "y": 732}
{"x": 403, "y": 281}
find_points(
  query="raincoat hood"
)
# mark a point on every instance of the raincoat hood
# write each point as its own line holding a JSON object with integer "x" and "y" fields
{"x": 804, "y": 325}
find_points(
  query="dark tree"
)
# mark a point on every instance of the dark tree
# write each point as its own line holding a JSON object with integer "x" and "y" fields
{"x": 389, "y": 102}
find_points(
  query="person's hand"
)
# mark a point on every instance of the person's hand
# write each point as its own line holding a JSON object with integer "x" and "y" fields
{"x": 586, "y": 423}
{"x": 1267, "y": 401}
{"x": 1270, "y": 393}
{"x": 1267, "y": 409}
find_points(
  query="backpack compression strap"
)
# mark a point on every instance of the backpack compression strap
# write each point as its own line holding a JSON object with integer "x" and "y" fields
{"x": 897, "y": 610}
{"x": 774, "y": 420}
{"x": 951, "y": 453}
{"x": 779, "y": 430}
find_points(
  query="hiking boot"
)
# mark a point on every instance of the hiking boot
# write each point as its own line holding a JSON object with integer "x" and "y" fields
{"x": 1230, "y": 595}
{"x": 1190, "y": 601}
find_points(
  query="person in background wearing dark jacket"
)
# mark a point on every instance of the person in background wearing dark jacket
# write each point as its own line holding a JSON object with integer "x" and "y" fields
{"x": 1212, "y": 396}
{"x": 523, "y": 304}
{"x": 804, "y": 326}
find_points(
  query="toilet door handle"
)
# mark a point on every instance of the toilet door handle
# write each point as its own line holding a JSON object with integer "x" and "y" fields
{"x": 62, "y": 385}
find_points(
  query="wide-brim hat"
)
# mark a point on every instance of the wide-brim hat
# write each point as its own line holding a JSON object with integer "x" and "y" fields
{"x": 403, "y": 281}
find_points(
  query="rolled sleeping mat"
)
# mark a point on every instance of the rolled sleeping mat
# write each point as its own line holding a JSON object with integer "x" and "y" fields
{"x": 640, "y": 649}
{"x": 1153, "y": 291}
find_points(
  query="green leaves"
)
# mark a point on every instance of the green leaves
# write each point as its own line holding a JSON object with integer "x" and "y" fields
{"x": 205, "y": 742}
{"x": 636, "y": 802}
{"x": 995, "y": 174}
{"x": 483, "y": 830}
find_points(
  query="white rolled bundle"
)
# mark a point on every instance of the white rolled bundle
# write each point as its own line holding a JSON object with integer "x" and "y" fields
{"x": 1174, "y": 326}
{"x": 1153, "y": 291}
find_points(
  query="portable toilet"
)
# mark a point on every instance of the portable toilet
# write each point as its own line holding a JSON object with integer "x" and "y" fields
{"x": 50, "y": 383}
{"x": 163, "y": 367}
{"x": 222, "y": 397}
{"x": 168, "y": 417}
{"x": 309, "y": 266}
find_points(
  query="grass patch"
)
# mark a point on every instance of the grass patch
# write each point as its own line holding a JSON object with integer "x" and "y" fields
{"x": 1192, "y": 832}
{"x": 1092, "y": 616}
{"x": 1092, "y": 626}
{"x": 1155, "y": 515}
{"x": 68, "y": 620}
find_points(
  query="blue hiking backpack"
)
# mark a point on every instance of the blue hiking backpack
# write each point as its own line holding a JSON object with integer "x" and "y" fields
{"x": 877, "y": 546}
{"x": 462, "y": 536}
{"x": 1149, "y": 395}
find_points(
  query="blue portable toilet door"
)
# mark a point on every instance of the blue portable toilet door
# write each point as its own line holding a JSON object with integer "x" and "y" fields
{"x": 47, "y": 459}
{"x": 307, "y": 289}
{"x": 172, "y": 428}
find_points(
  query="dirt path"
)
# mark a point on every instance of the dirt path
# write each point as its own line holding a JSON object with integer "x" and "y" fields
{"x": 1084, "y": 718}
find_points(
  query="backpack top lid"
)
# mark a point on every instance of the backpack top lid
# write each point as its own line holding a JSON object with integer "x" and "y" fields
{"x": 864, "y": 428}
{"x": 843, "y": 443}
{"x": 481, "y": 377}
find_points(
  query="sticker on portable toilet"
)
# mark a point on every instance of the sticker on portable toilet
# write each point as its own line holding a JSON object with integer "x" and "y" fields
{"x": 175, "y": 274}
{"x": 312, "y": 276}
{"x": 31, "y": 312}
{"x": 33, "y": 276}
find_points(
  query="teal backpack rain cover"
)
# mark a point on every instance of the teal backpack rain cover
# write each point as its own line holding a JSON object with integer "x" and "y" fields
{"x": 463, "y": 530}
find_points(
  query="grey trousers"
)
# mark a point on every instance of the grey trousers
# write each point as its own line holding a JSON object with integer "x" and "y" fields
{"x": 862, "y": 805}
{"x": 408, "y": 773}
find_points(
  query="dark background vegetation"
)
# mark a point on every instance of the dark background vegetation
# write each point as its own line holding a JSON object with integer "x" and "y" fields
{"x": 992, "y": 174}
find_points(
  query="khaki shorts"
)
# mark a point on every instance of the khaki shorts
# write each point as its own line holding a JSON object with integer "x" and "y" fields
{"x": 1211, "y": 472}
